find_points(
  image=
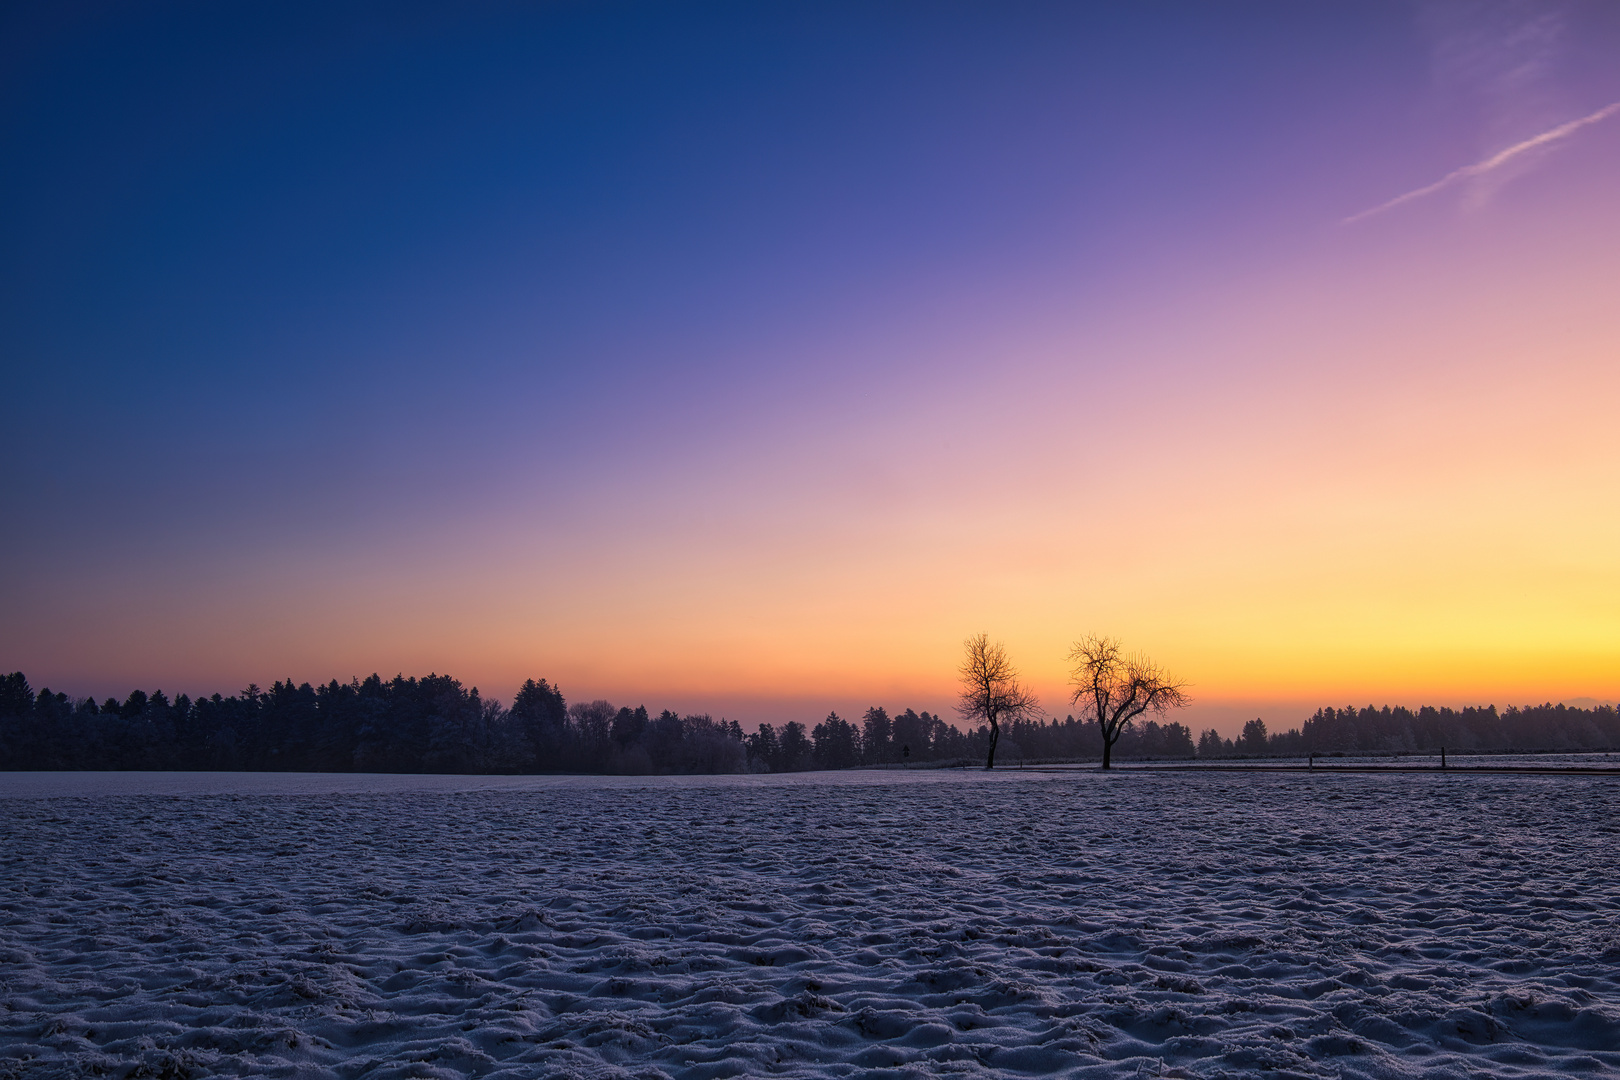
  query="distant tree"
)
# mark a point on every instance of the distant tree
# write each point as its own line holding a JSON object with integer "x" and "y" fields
{"x": 1177, "y": 741}
{"x": 1116, "y": 688}
{"x": 837, "y": 746}
{"x": 16, "y": 697}
{"x": 712, "y": 746}
{"x": 764, "y": 749}
{"x": 877, "y": 735}
{"x": 593, "y": 726}
{"x": 628, "y": 726}
{"x": 911, "y": 736}
{"x": 1253, "y": 739}
{"x": 135, "y": 704}
{"x": 944, "y": 740}
{"x": 1153, "y": 740}
{"x": 1289, "y": 743}
{"x": 794, "y": 747}
{"x": 630, "y": 734}
{"x": 991, "y": 691}
{"x": 664, "y": 739}
{"x": 1211, "y": 745}
{"x": 539, "y": 710}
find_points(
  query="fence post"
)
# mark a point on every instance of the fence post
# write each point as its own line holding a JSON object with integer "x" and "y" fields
{"x": 1442, "y": 757}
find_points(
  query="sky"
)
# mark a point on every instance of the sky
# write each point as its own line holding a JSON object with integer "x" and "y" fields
{"x": 747, "y": 358}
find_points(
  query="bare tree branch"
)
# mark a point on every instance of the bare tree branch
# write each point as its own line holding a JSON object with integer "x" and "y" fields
{"x": 990, "y": 689}
{"x": 1118, "y": 688}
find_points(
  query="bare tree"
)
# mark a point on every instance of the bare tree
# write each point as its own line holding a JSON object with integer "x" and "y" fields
{"x": 991, "y": 691}
{"x": 1116, "y": 688}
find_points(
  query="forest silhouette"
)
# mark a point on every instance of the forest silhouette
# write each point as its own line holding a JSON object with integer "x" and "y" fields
{"x": 435, "y": 724}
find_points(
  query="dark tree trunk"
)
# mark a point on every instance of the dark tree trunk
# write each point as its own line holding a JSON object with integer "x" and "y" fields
{"x": 995, "y": 733}
{"x": 1108, "y": 751}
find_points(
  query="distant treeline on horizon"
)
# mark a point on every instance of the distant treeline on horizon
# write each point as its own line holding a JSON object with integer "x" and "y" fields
{"x": 434, "y": 724}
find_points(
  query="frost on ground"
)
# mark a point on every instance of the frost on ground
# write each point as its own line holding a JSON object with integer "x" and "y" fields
{"x": 1141, "y": 924}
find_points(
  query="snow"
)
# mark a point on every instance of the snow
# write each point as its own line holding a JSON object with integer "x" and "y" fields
{"x": 825, "y": 924}
{"x": 1575, "y": 759}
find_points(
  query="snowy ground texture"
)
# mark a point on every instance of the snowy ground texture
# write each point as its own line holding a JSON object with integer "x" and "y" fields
{"x": 856, "y": 924}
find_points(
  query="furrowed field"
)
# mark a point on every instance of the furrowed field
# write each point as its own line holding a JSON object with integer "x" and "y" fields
{"x": 882, "y": 923}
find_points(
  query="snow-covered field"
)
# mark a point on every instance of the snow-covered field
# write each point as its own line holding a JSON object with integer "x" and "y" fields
{"x": 881, "y": 924}
{"x": 1579, "y": 759}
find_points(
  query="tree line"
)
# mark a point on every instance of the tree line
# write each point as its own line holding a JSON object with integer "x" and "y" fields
{"x": 435, "y": 724}
{"x": 1399, "y": 730}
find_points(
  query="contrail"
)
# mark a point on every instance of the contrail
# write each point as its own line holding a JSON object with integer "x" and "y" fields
{"x": 1480, "y": 168}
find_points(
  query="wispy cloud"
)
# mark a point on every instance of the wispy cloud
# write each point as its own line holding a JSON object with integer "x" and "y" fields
{"x": 1495, "y": 161}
